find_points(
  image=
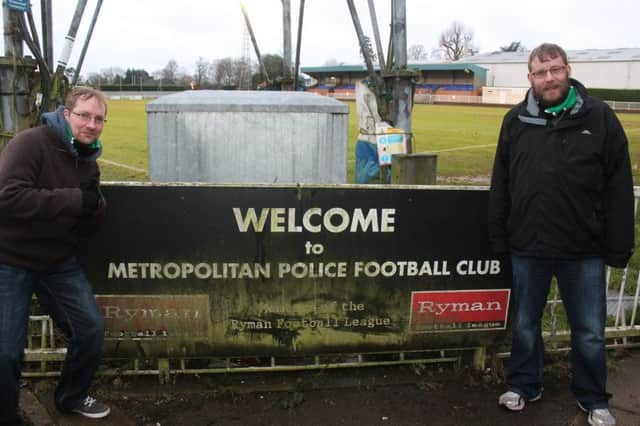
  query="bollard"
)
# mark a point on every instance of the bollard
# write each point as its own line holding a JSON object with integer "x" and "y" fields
{"x": 414, "y": 169}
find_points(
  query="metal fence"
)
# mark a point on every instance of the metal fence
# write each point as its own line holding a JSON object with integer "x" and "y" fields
{"x": 624, "y": 106}
{"x": 45, "y": 349}
{"x": 421, "y": 98}
{"x": 623, "y": 299}
{"x": 457, "y": 99}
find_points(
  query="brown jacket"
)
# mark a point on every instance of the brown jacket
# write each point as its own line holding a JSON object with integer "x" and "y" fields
{"x": 41, "y": 219}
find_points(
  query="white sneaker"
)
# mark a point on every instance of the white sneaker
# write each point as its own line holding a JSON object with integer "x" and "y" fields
{"x": 514, "y": 401}
{"x": 599, "y": 416}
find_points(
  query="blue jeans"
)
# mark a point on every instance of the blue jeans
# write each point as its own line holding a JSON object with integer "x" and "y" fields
{"x": 583, "y": 291}
{"x": 66, "y": 295}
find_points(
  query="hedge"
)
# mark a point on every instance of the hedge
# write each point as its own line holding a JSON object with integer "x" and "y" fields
{"x": 623, "y": 95}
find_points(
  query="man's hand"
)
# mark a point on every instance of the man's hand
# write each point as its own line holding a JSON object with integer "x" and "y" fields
{"x": 90, "y": 196}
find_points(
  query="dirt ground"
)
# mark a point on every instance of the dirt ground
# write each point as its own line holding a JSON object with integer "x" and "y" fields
{"x": 408, "y": 395}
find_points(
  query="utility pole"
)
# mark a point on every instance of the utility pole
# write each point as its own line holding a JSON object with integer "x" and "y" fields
{"x": 245, "y": 13}
{"x": 296, "y": 68}
{"x": 400, "y": 77}
{"x": 47, "y": 32}
{"x": 377, "y": 83}
{"x": 28, "y": 86}
{"x": 286, "y": 44}
{"x": 14, "y": 82}
{"x": 86, "y": 43}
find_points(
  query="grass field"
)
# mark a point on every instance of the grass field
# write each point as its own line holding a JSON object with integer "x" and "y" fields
{"x": 463, "y": 137}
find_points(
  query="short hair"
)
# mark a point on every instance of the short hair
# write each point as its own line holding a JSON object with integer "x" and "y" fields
{"x": 84, "y": 93}
{"x": 548, "y": 50}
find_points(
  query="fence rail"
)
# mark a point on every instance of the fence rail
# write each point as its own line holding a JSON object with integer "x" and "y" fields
{"x": 624, "y": 106}
{"x": 426, "y": 98}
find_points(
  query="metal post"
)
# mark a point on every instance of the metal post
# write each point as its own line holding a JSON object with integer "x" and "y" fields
{"x": 12, "y": 41}
{"x": 70, "y": 39}
{"x": 402, "y": 89}
{"x": 379, "y": 86}
{"x": 376, "y": 34}
{"x": 86, "y": 43}
{"x": 47, "y": 32}
{"x": 400, "y": 32}
{"x": 298, "y": 45}
{"x": 13, "y": 51}
{"x": 479, "y": 358}
{"x": 286, "y": 33}
{"x": 253, "y": 40}
{"x": 356, "y": 23}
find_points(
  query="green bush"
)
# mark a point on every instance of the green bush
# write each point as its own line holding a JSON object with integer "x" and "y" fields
{"x": 623, "y": 95}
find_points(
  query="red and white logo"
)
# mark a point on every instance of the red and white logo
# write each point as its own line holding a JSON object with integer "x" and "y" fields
{"x": 459, "y": 310}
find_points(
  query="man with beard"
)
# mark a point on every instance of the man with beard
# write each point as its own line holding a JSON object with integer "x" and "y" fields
{"x": 561, "y": 204}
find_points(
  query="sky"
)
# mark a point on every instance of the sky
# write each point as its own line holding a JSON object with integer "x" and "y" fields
{"x": 146, "y": 34}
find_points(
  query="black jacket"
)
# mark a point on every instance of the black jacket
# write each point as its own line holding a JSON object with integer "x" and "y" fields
{"x": 562, "y": 186}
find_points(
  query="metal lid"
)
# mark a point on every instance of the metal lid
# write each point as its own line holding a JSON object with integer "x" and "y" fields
{"x": 246, "y": 101}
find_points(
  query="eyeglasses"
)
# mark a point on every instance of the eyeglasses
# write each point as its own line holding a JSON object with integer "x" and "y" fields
{"x": 555, "y": 72}
{"x": 85, "y": 117}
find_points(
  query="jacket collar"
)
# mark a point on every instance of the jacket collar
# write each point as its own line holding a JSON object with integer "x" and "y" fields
{"x": 531, "y": 113}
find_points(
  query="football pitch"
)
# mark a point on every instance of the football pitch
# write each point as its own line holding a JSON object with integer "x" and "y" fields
{"x": 463, "y": 137}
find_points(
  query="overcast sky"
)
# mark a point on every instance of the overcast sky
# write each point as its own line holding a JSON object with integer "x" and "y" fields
{"x": 148, "y": 33}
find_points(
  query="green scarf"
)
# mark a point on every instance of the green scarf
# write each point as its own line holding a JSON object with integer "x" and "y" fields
{"x": 92, "y": 146}
{"x": 568, "y": 103}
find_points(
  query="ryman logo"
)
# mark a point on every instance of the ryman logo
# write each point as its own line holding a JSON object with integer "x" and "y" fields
{"x": 458, "y": 310}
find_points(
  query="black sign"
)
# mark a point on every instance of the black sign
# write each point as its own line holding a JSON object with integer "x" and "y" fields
{"x": 230, "y": 270}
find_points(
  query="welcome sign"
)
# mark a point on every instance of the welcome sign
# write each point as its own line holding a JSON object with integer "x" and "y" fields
{"x": 263, "y": 270}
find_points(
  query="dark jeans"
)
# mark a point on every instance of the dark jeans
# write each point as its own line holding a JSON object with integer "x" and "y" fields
{"x": 66, "y": 295}
{"x": 583, "y": 291}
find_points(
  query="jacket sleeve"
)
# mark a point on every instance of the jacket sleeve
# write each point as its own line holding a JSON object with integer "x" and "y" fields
{"x": 618, "y": 195}
{"x": 20, "y": 165}
{"x": 499, "y": 197}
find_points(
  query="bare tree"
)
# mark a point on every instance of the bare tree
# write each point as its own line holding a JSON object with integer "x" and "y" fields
{"x": 170, "y": 72}
{"x": 94, "y": 79}
{"x": 417, "y": 52}
{"x": 245, "y": 71}
{"x": 226, "y": 73}
{"x": 109, "y": 75}
{"x": 201, "y": 75}
{"x": 457, "y": 42}
{"x": 437, "y": 54}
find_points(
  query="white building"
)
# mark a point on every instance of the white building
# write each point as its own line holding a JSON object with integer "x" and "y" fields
{"x": 595, "y": 68}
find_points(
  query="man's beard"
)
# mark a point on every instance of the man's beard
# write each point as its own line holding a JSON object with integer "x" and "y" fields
{"x": 544, "y": 103}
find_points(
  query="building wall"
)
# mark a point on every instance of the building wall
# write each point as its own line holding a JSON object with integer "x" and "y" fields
{"x": 609, "y": 75}
{"x": 503, "y": 95}
{"x": 506, "y": 75}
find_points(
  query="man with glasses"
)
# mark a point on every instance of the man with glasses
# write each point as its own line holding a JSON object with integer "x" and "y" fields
{"x": 561, "y": 205}
{"x": 49, "y": 200}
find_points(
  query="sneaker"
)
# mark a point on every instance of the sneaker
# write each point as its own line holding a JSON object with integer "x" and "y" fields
{"x": 514, "y": 401}
{"x": 92, "y": 408}
{"x": 599, "y": 416}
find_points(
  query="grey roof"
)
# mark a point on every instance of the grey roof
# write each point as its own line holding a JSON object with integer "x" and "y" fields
{"x": 431, "y": 66}
{"x": 587, "y": 55}
{"x": 241, "y": 100}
